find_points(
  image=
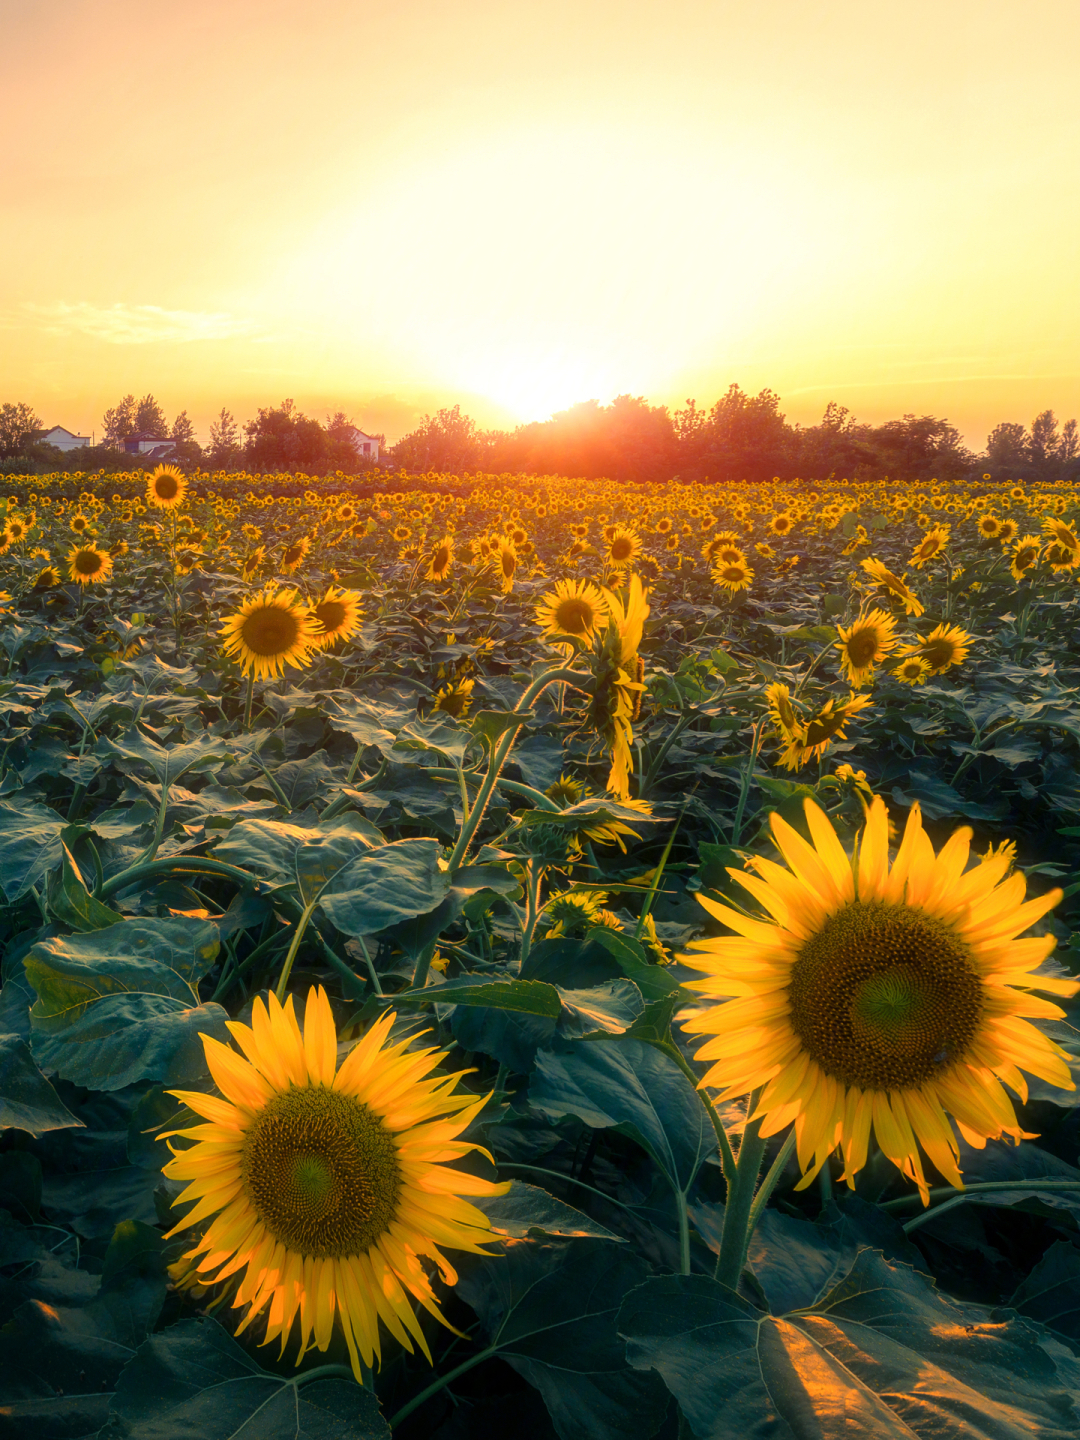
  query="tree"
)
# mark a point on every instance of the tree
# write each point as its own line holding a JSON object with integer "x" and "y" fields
{"x": 921, "y": 447}
{"x": 150, "y": 419}
{"x": 225, "y": 447}
{"x": 18, "y": 426}
{"x": 120, "y": 422}
{"x": 446, "y": 441}
{"x": 282, "y": 438}
{"x": 186, "y": 449}
{"x": 743, "y": 437}
{"x": 1007, "y": 447}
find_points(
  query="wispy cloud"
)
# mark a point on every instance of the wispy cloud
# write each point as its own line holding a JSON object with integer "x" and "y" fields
{"x": 122, "y": 324}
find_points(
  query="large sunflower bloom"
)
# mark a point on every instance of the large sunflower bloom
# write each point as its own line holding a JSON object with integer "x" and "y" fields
{"x": 864, "y": 644}
{"x": 574, "y": 608}
{"x": 328, "y": 1182}
{"x": 879, "y": 996}
{"x": 623, "y": 547}
{"x": 271, "y": 631}
{"x": 894, "y": 584}
{"x": 165, "y": 487}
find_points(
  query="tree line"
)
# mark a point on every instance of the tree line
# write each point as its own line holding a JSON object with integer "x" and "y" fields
{"x": 741, "y": 437}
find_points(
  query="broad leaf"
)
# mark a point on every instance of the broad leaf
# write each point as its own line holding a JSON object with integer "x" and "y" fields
{"x": 526, "y": 997}
{"x": 169, "y": 762}
{"x": 1051, "y": 1293}
{"x": 27, "y": 1100}
{"x": 528, "y": 1211}
{"x": 387, "y": 885}
{"x": 30, "y": 844}
{"x": 72, "y": 903}
{"x": 194, "y": 1380}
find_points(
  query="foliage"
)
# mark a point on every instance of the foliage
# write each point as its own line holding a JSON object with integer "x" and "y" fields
{"x": 418, "y": 819}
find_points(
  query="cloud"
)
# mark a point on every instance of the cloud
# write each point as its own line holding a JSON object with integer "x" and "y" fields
{"x": 122, "y": 324}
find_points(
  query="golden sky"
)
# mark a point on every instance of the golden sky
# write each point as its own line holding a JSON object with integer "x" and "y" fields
{"x": 516, "y": 204}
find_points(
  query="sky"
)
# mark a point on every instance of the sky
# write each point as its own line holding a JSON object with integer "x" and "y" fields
{"x": 513, "y": 205}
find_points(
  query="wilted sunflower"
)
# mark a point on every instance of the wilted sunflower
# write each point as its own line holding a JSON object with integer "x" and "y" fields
{"x": 864, "y": 644}
{"x": 932, "y": 544}
{"x": 944, "y": 647}
{"x": 442, "y": 557}
{"x": 623, "y": 547}
{"x": 165, "y": 488}
{"x": 575, "y": 608}
{"x": 1025, "y": 556}
{"x": 809, "y": 741}
{"x": 878, "y": 997}
{"x": 455, "y": 698}
{"x": 912, "y": 671}
{"x": 894, "y": 584}
{"x": 733, "y": 575}
{"x": 294, "y": 554}
{"x": 338, "y": 612}
{"x": 270, "y": 631}
{"x": 87, "y": 564}
{"x": 329, "y": 1183}
{"x": 619, "y": 672}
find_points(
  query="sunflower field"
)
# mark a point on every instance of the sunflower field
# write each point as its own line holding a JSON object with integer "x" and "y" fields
{"x": 508, "y": 955}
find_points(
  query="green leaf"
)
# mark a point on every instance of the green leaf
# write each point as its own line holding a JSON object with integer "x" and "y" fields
{"x": 491, "y": 724}
{"x": 590, "y": 814}
{"x": 307, "y": 857}
{"x": 437, "y": 733}
{"x": 72, "y": 903}
{"x": 392, "y": 883}
{"x": 526, "y": 997}
{"x": 883, "y": 1356}
{"x": 634, "y": 1086}
{"x": 468, "y": 882}
{"x": 194, "y": 1380}
{"x": 939, "y": 801}
{"x": 1051, "y": 1293}
{"x": 610, "y": 1008}
{"x": 549, "y": 1311}
{"x": 30, "y": 844}
{"x": 527, "y": 1211}
{"x": 27, "y": 1100}
{"x": 169, "y": 762}
{"x": 654, "y": 981}
{"x": 121, "y": 1004}
{"x": 58, "y": 1366}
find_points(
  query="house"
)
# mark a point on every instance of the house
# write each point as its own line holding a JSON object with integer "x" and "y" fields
{"x": 365, "y": 445}
{"x": 157, "y": 447}
{"x": 64, "y": 439}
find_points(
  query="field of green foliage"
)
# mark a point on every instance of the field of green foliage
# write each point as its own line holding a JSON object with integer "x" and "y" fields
{"x": 427, "y": 1007}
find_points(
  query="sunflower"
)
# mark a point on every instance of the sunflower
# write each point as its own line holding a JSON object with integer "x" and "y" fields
{"x": 455, "y": 698}
{"x": 733, "y": 576}
{"x": 565, "y": 790}
{"x": 1008, "y": 531}
{"x": 1062, "y": 534}
{"x": 17, "y": 528}
{"x": 988, "y": 526}
{"x": 864, "y": 644}
{"x": 87, "y": 564}
{"x": 328, "y": 1182}
{"x": 624, "y": 545}
{"x": 912, "y": 671}
{"x": 47, "y": 578}
{"x": 879, "y": 997}
{"x": 765, "y": 550}
{"x": 1017, "y": 493}
{"x": 894, "y": 584}
{"x": 571, "y": 911}
{"x": 620, "y": 672}
{"x": 944, "y": 647}
{"x": 338, "y": 612}
{"x": 574, "y": 608}
{"x": 932, "y": 544}
{"x": 346, "y": 514}
{"x": 662, "y": 526}
{"x": 781, "y": 524}
{"x": 442, "y": 557}
{"x": 252, "y": 562}
{"x": 506, "y": 562}
{"x": 810, "y": 741}
{"x": 165, "y": 488}
{"x": 79, "y": 524}
{"x": 1025, "y": 556}
{"x": 270, "y": 631}
{"x": 728, "y": 553}
{"x": 1061, "y": 557}
{"x": 294, "y": 554}
{"x": 782, "y": 711}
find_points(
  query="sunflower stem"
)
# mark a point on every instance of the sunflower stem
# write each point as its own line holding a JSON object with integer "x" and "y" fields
{"x": 769, "y": 1184}
{"x": 534, "y": 875}
{"x": 735, "y": 1237}
{"x": 747, "y": 780}
{"x": 250, "y": 695}
{"x": 684, "y": 1232}
{"x": 193, "y": 864}
{"x": 951, "y": 1196}
{"x": 441, "y": 1384}
{"x": 727, "y": 1156}
{"x": 651, "y": 896}
{"x": 376, "y": 986}
{"x": 298, "y": 935}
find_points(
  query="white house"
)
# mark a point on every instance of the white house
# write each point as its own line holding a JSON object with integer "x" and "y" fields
{"x": 365, "y": 445}
{"x": 64, "y": 439}
{"x": 155, "y": 446}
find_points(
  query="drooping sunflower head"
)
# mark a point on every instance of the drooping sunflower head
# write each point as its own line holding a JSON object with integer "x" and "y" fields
{"x": 338, "y": 613}
{"x": 329, "y": 1184}
{"x": 1025, "y": 555}
{"x": 442, "y": 558}
{"x": 575, "y": 608}
{"x": 1061, "y": 558}
{"x": 88, "y": 565}
{"x": 894, "y": 585}
{"x": 506, "y": 563}
{"x": 865, "y": 643}
{"x": 47, "y": 578}
{"x": 294, "y": 554}
{"x": 879, "y": 996}
{"x": 565, "y": 790}
{"x": 251, "y": 562}
{"x": 165, "y": 487}
{"x": 931, "y": 545}
{"x": 944, "y": 647}
{"x": 270, "y": 631}
{"x": 809, "y": 741}
{"x": 572, "y": 911}
{"x": 624, "y": 545}
{"x": 781, "y": 709}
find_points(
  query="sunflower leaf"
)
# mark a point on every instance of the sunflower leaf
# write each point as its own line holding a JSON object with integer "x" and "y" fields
{"x": 27, "y": 1100}
{"x": 882, "y": 1355}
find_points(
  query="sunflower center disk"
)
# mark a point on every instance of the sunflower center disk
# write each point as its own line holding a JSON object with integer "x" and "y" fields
{"x": 321, "y": 1172}
{"x": 270, "y": 632}
{"x": 884, "y": 996}
{"x": 574, "y": 616}
{"x": 862, "y": 648}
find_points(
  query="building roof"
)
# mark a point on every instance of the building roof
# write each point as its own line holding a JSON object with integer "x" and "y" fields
{"x": 62, "y": 430}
